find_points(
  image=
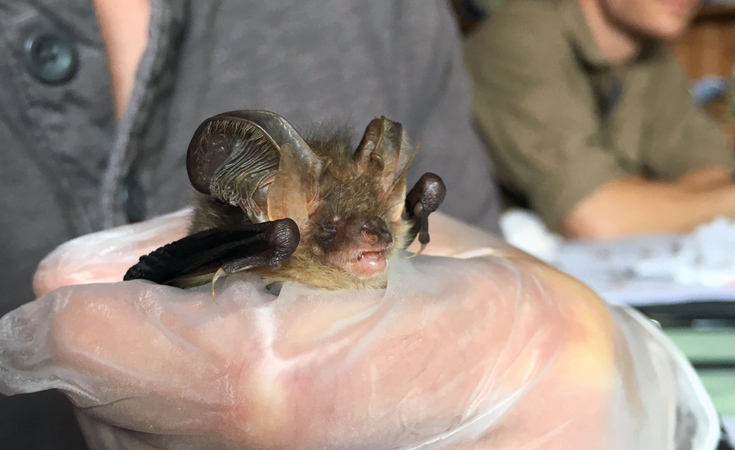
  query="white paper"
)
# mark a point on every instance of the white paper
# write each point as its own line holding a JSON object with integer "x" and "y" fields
{"x": 657, "y": 269}
{"x": 729, "y": 423}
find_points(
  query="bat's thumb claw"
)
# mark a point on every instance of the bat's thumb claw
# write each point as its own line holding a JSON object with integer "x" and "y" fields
{"x": 217, "y": 275}
{"x": 413, "y": 255}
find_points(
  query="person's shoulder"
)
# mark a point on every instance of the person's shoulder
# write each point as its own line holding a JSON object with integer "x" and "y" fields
{"x": 421, "y": 15}
{"x": 525, "y": 24}
{"x": 406, "y": 29}
{"x": 525, "y": 32}
{"x": 546, "y": 9}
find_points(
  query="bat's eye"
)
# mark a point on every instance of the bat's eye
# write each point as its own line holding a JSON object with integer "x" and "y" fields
{"x": 326, "y": 233}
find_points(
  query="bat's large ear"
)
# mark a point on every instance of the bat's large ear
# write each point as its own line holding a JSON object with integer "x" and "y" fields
{"x": 237, "y": 156}
{"x": 385, "y": 151}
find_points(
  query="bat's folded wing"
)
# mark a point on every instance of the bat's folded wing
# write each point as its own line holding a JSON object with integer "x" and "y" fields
{"x": 229, "y": 249}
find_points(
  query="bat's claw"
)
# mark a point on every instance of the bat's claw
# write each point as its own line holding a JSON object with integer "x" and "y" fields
{"x": 221, "y": 272}
{"x": 413, "y": 255}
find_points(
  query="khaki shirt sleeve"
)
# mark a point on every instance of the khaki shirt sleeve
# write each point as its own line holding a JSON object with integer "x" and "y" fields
{"x": 683, "y": 136}
{"x": 536, "y": 112}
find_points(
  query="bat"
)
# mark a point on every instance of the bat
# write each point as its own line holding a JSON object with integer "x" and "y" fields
{"x": 317, "y": 213}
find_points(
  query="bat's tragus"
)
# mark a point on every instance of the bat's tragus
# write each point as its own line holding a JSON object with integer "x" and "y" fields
{"x": 315, "y": 212}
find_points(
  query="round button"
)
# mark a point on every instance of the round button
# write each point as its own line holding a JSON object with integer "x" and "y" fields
{"x": 132, "y": 198}
{"x": 50, "y": 57}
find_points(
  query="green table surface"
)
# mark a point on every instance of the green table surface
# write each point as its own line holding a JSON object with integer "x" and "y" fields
{"x": 710, "y": 346}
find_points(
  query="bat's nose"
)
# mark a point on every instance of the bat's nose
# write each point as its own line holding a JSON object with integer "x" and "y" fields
{"x": 374, "y": 231}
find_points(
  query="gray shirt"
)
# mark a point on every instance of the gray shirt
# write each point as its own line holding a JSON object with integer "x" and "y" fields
{"x": 67, "y": 167}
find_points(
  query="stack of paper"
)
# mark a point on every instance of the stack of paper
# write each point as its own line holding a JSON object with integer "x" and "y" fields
{"x": 657, "y": 269}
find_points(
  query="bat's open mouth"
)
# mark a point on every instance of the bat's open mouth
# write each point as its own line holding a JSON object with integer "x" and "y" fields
{"x": 369, "y": 263}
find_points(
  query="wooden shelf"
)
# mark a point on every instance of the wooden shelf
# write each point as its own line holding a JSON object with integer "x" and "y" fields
{"x": 708, "y": 47}
{"x": 715, "y": 13}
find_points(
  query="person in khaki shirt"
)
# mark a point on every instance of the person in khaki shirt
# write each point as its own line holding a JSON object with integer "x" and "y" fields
{"x": 589, "y": 119}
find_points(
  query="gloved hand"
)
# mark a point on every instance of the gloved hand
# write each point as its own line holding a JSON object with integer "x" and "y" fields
{"x": 493, "y": 351}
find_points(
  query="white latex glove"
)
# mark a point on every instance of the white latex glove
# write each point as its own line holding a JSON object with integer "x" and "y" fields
{"x": 490, "y": 352}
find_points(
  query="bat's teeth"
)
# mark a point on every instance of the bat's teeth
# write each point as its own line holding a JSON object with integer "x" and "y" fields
{"x": 359, "y": 256}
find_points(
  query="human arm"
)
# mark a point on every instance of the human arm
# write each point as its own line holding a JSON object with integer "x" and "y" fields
{"x": 637, "y": 206}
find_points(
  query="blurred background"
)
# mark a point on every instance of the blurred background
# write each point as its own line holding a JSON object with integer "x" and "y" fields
{"x": 660, "y": 274}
